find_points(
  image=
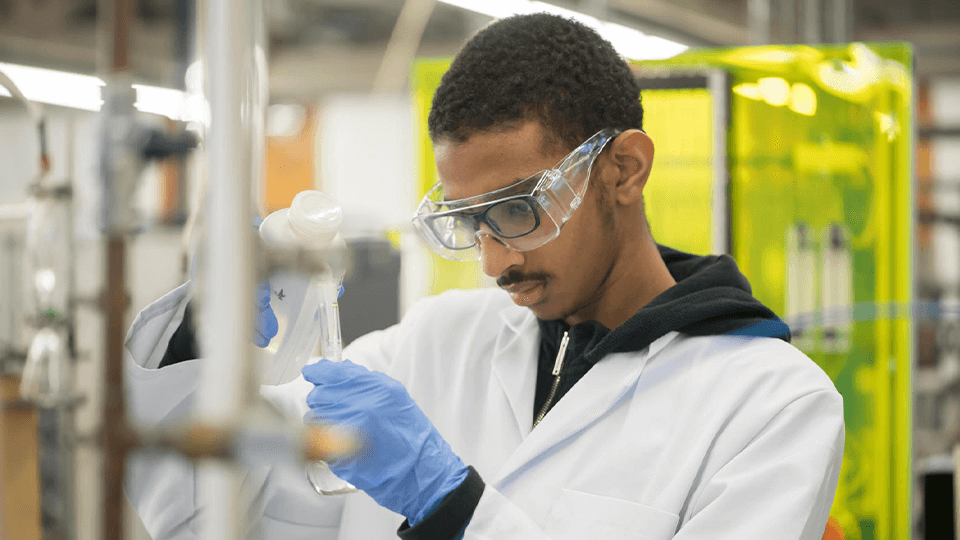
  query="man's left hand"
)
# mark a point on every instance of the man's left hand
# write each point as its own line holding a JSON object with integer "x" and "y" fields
{"x": 403, "y": 463}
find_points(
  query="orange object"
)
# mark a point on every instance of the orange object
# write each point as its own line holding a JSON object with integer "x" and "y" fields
{"x": 833, "y": 530}
{"x": 289, "y": 165}
{"x": 20, "y": 491}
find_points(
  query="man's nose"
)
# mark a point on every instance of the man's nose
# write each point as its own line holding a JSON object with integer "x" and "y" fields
{"x": 495, "y": 257}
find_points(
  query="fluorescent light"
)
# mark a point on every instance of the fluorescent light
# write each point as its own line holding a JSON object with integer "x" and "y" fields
{"x": 174, "y": 104}
{"x": 627, "y": 41}
{"x": 84, "y": 92}
{"x": 55, "y": 87}
{"x": 163, "y": 101}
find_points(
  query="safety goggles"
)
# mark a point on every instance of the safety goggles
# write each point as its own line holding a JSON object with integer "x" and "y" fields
{"x": 522, "y": 216}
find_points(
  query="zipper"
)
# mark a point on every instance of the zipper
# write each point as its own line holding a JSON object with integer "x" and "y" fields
{"x": 557, "y": 366}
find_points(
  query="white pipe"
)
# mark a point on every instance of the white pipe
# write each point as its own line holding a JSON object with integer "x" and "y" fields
{"x": 758, "y": 21}
{"x": 227, "y": 277}
{"x": 841, "y": 18}
{"x": 720, "y": 230}
{"x": 812, "y": 11}
{"x": 220, "y": 485}
{"x": 402, "y": 48}
{"x": 235, "y": 68}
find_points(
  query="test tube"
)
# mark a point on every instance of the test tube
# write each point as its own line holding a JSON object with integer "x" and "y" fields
{"x": 331, "y": 344}
{"x": 319, "y": 474}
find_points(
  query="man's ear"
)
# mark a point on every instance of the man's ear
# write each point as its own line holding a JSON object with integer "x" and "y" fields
{"x": 632, "y": 152}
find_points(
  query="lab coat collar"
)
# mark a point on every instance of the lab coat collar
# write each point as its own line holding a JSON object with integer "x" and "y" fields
{"x": 518, "y": 319}
{"x": 515, "y": 363}
{"x": 605, "y": 386}
{"x": 144, "y": 346}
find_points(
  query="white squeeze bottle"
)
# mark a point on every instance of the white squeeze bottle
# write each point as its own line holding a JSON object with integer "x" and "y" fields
{"x": 306, "y": 306}
{"x": 300, "y": 302}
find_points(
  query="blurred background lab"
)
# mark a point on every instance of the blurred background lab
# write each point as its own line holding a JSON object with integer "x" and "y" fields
{"x": 816, "y": 141}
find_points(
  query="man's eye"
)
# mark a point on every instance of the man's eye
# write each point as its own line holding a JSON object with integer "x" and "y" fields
{"x": 517, "y": 208}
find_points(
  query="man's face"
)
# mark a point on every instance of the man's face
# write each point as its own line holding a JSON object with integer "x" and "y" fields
{"x": 564, "y": 277}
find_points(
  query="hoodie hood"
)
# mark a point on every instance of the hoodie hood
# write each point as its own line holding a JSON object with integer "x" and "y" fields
{"x": 711, "y": 297}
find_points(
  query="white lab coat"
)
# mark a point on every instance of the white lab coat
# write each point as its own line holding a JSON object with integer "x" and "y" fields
{"x": 693, "y": 438}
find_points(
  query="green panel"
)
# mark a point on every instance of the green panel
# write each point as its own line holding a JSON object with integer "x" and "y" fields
{"x": 424, "y": 80}
{"x": 820, "y": 141}
{"x": 680, "y": 186}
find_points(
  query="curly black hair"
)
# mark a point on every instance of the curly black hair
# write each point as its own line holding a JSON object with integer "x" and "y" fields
{"x": 540, "y": 67}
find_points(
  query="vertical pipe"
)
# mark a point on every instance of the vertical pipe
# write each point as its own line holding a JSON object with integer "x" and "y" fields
{"x": 114, "y": 417}
{"x": 227, "y": 275}
{"x": 235, "y": 65}
{"x": 720, "y": 200}
{"x": 784, "y": 21}
{"x": 114, "y": 449}
{"x": 840, "y": 15}
{"x": 121, "y": 18}
{"x": 758, "y": 17}
{"x": 811, "y": 11}
{"x": 68, "y": 422}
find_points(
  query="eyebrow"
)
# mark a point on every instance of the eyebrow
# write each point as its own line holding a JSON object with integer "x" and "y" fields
{"x": 512, "y": 184}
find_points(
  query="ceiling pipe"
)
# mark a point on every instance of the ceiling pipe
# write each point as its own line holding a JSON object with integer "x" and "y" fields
{"x": 402, "y": 47}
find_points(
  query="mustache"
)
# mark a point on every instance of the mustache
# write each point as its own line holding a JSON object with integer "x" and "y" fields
{"x": 516, "y": 277}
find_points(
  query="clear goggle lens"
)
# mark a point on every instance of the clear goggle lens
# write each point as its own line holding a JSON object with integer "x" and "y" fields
{"x": 523, "y": 216}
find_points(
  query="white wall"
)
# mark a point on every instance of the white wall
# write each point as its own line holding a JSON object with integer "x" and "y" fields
{"x": 366, "y": 160}
{"x": 20, "y": 155}
{"x": 366, "y": 156}
{"x": 945, "y": 167}
{"x": 944, "y": 97}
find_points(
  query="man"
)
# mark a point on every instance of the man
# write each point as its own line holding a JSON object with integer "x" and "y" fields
{"x": 614, "y": 388}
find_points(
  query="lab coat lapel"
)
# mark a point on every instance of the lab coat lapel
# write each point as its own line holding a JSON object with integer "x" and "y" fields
{"x": 515, "y": 363}
{"x": 600, "y": 390}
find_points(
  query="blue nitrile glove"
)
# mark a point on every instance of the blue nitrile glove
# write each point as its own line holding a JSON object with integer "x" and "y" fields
{"x": 403, "y": 463}
{"x": 266, "y": 319}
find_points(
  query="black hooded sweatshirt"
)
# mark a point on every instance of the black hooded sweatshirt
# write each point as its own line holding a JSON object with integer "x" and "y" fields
{"x": 711, "y": 297}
